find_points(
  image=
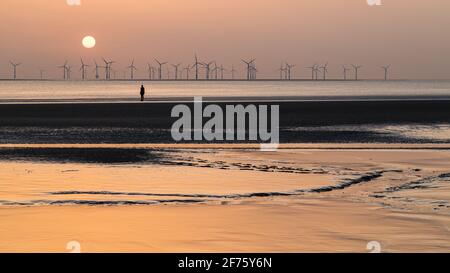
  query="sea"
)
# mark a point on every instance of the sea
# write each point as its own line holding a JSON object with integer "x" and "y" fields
{"x": 35, "y": 91}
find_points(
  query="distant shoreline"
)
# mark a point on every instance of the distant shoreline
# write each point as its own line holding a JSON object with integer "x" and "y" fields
{"x": 224, "y": 80}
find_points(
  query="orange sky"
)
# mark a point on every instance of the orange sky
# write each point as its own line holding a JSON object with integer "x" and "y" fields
{"x": 412, "y": 35}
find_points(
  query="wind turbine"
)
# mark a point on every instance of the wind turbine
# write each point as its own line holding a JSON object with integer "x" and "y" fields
{"x": 313, "y": 69}
{"x": 221, "y": 71}
{"x": 151, "y": 71}
{"x": 253, "y": 72}
{"x": 325, "y": 71}
{"x": 64, "y": 67}
{"x": 160, "y": 68}
{"x": 249, "y": 67}
{"x": 316, "y": 72}
{"x": 196, "y": 64}
{"x": 188, "y": 71}
{"x": 386, "y": 70}
{"x": 132, "y": 69}
{"x": 215, "y": 70}
{"x": 233, "y": 71}
{"x": 108, "y": 65}
{"x": 356, "y": 67}
{"x": 282, "y": 71}
{"x": 345, "y": 69}
{"x": 208, "y": 68}
{"x": 106, "y": 68}
{"x": 14, "y": 65}
{"x": 288, "y": 70}
{"x": 97, "y": 75}
{"x": 176, "y": 66}
{"x": 68, "y": 71}
{"x": 83, "y": 69}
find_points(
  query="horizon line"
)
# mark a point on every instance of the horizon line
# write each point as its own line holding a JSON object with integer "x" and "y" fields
{"x": 225, "y": 80}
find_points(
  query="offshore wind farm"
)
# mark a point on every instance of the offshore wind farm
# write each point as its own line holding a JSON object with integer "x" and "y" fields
{"x": 202, "y": 71}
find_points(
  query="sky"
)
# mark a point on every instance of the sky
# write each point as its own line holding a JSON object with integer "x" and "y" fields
{"x": 411, "y": 35}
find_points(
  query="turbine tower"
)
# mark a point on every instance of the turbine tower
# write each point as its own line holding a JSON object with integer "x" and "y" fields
{"x": 196, "y": 64}
{"x": 110, "y": 63}
{"x": 68, "y": 71}
{"x": 215, "y": 70}
{"x": 221, "y": 71}
{"x": 188, "y": 71}
{"x": 253, "y": 71}
{"x": 233, "y": 71}
{"x": 208, "y": 68}
{"x": 288, "y": 70}
{"x": 151, "y": 71}
{"x": 176, "y": 66}
{"x": 316, "y": 71}
{"x": 356, "y": 68}
{"x": 325, "y": 71}
{"x": 386, "y": 70}
{"x": 108, "y": 66}
{"x": 283, "y": 74}
{"x": 313, "y": 70}
{"x": 345, "y": 69}
{"x": 96, "y": 70}
{"x": 160, "y": 68}
{"x": 14, "y": 65}
{"x": 64, "y": 67}
{"x": 83, "y": 69}
{"x": 132, "y": 69}
{"x": 249, "y": 67}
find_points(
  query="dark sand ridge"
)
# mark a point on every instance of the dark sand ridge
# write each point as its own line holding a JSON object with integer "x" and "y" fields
{"x": 151, "y": 122}
{"x": 157, "y": 115}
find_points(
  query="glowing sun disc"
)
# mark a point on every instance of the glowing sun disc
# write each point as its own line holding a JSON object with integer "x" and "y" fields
{"x": 88, "y": 42}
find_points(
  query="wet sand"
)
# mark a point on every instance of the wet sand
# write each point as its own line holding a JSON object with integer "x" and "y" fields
{"x": 109, "y": 176}
{"x": 313, "y": 121}
{"x": 302, "y": 226}
{"x": 307, "y": 200}
{"x": 292, "y": 113}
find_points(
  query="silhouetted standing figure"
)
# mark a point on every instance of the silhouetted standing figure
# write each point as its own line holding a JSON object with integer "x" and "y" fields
{"x": 142, "y": 92}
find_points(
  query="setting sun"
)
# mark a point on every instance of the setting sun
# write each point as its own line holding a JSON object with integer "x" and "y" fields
{"x": 88, "y": 42}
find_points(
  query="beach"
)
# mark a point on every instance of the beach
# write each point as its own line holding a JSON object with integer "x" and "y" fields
{"x": 294, "y": 200}
{"x": 109, "y": 176}
{"x": 225, "y": 129}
